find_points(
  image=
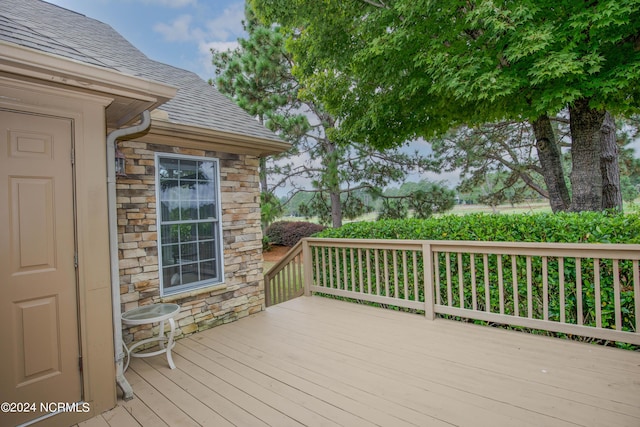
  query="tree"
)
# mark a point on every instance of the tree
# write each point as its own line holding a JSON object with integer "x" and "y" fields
{"x": 422, "y": 198}
{"x": 257, "y": 75}
{"x": 488, "y": 149}
{"x": 510, "y": 147}
{"x": 630, "y": 163}
{"x": 397, "y": 70}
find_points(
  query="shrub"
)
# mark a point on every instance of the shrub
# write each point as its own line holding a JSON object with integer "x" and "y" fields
{"x": 583, "y": 227}
{"x": 288, "y": 233}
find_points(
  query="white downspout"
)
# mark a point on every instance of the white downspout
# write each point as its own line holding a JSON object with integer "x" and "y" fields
{"x": 113, "y": 246}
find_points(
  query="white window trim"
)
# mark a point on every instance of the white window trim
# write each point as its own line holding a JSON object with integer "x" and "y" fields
{"x": 220, "y": 244}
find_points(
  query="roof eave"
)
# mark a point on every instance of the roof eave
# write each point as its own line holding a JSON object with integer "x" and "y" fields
{"x": 188, "y": 136}
{"x": 131, "y": 94}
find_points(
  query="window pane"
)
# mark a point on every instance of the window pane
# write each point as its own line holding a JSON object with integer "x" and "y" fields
{"x": 190, "y": 273}
{"x": 188, "y": 169}
{"x": 207, "y": 171}
{"x": 170, "y": 210}
{"x": 170, "y": 234}
{"x": 188, "y": 253}
{"x": 168, "y": 184}
{"x": 207, "y": 209}
{"x": 171, "y": 276}
{"x": 170, "y": 255}
{"x": 207, "y": 250}
{"x": 208, "y": 270}
{"x": 169, "y": 168}
{"x": 205, "y": 230}
{"x": 188, "y": 232}
{"x": 189, "y": 210}
{"x": 206, "y": 190}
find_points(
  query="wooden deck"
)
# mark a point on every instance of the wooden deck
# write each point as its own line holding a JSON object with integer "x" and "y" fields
{"x": 319, "y": 362}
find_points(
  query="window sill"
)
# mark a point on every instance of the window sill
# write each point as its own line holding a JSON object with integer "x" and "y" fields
{"x": 194, "y": 292}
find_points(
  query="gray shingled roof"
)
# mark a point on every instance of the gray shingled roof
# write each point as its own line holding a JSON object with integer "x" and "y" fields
{"x": 49, "y": 28}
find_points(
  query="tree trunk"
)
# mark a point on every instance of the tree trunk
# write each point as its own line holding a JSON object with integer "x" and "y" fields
{"x": 263, "y": 187}
{"x": 611, "y": 192}
{"x": 336, "y": 209}
{"x": 332, "y": 181}
{"x": 586, "y": 176}
{"x": 262, "y": 174}
{"x": 550, "y": 158}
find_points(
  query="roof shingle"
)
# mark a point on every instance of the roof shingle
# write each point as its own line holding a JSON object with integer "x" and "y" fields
{"x": 52, "y": 29}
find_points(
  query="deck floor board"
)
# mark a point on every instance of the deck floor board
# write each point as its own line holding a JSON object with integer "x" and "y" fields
{"x": 321, "y": 362}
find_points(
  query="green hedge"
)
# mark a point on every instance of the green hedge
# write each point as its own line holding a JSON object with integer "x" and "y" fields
{"x": 587, "y": 227}
{"x": 584, "y": 227}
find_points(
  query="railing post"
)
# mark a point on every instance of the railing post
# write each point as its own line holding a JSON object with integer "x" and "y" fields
{"x": 267, "y": 291}
{"x": 307, "y": 266}
{"x": 427, "y": 261}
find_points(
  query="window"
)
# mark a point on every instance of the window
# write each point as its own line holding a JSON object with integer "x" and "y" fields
{"x": 189, "y": 223}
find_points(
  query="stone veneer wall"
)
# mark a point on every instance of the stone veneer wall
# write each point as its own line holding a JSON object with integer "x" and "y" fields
{"x": 138, "y": 250}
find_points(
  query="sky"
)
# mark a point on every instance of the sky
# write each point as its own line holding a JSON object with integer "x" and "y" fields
{"x": 176, "y": 32}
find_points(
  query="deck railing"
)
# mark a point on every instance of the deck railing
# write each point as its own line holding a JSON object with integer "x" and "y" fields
{"x": 591, "y": 290}
{"x": 283, "y": 281}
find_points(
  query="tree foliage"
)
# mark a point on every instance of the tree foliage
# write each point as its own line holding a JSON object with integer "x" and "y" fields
{"x": 257, "y": 75}
{"x": 488, "y": 149}
{"x": 497, "y": 162}
{"x": 422, "y": 199}
{"x": 396, "y": 70}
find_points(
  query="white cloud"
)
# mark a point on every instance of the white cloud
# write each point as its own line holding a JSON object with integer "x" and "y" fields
{"x": 205, "y": 48}
{"x": 172, "y": 3}
{"x": 227, "y": 25}
{"x": 178, "y": 30}
{"x": 224, "y": 27}
{"x": 219, "y": 33}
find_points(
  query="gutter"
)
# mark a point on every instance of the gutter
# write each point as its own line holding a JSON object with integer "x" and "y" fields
{"x": 113, "y": 246}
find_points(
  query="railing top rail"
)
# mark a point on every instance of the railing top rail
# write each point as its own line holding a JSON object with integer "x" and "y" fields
{"x": 366, "y": 243}
{"x": 293, "y": 252}
{"x": 594, "y": 250}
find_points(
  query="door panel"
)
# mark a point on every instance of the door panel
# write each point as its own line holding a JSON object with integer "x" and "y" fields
{"x": 32, "y": 224}
{"x": 38, "y": 291}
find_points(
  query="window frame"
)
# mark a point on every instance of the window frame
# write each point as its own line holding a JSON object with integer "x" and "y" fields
{"x": 216, "y": 224}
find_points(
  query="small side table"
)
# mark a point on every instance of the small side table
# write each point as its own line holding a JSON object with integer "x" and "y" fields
{"x": 152, "y": 314}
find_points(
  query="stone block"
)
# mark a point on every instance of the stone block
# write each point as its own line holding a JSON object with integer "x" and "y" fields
{"x": 189, "y": 329}
{"x": 185, "y": 321}
{"x": 128, "y": 263}
{"x": 144, "y": 276}
{"x": 130, "y": 297}
{"x": 133, "y": 253}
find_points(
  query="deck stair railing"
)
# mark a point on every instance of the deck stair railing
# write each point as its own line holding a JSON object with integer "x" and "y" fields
{"x": 283, "y": 281}
{"x": 591, "y": 290}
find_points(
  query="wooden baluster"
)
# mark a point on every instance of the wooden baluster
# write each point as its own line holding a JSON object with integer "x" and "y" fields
{"x": 563, "y": 315}
{"x": 529, "y": 289}
{"x": 596, "y": 282}
{"x": 616, "y": 294}
{"x": 474, "y": 290}
{"x": 500, "y": 282}
{"x": 514, "y": 280}
{"x": 545, "y": 288}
